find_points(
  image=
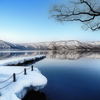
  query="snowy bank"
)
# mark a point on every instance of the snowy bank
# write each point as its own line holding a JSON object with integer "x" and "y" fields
{"x": 17, "y": 90}
{"x": 20, "y": 61}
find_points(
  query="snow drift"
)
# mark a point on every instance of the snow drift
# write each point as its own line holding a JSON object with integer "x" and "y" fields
{"x": 17, "y": 90}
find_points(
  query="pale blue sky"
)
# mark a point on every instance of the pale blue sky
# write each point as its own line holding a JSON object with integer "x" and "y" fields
{"x": 28, "y": 21}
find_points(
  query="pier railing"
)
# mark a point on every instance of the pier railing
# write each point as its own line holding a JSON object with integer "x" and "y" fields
{"x": 13, "y": 77}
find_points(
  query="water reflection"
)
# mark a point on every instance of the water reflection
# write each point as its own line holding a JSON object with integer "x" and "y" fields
{"x": 13, "y": 54}
{"x": 6, "y": 55}
{"x": 34, "y": 95}
{"x": 70, "y": 55}
{"x": 73, "y": 55}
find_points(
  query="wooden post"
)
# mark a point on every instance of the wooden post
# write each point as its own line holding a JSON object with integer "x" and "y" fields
{"x": 32, "y": 68}
{"x": 14, "y": 77}
{"x": 25, "y": 71}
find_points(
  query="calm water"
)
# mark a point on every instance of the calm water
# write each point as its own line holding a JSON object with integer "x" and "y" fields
{"x": 71, "y": 80}
{"x": 71, "y": 76}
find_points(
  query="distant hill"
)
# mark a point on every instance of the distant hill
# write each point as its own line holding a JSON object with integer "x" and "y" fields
{"x": 64, "y": 45}
{"x": 11, "y": 46}
{"x": 54, "y": 45}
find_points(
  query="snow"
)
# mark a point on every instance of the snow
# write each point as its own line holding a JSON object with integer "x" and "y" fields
{"x": 18, "y": 60}
{"x": 17, "y": 90}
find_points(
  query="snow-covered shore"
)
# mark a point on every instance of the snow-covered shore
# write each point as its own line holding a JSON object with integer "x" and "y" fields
{"x": 10, "y": 90}
{"x": 15, "y": 61}
{"x": 17, "y": 90}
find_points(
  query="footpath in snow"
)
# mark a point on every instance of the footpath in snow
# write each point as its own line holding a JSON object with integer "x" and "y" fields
{"x": 14, "y": 86}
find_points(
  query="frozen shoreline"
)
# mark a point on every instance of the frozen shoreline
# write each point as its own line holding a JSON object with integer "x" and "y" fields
{"x": 15, "y": 61}
{"x": 16, "y": 91}
{"x": 10, "y": 90}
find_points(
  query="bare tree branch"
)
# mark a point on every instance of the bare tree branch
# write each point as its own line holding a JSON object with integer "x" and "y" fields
{"x": 84, "y": 11}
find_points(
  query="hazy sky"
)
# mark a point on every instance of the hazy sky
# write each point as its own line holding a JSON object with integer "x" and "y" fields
{"x": 28, "y": 21}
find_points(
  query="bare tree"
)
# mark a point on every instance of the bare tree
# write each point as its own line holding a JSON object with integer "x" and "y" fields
{"x": 85, "y": 11}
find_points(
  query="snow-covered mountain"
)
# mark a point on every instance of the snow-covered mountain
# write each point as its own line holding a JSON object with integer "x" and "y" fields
{"x": 11, "y": 46}
{"x": 63, "y": 45}
{"x": 54, "y": 45}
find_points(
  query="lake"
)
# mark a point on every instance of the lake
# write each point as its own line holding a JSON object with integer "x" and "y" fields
{"x": 72, "y": 75}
